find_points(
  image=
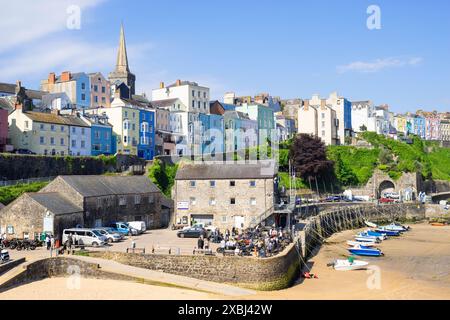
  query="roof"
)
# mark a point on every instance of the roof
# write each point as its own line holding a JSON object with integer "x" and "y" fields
{"x": 55, "y": 202}
{"x": 11, "y": 88}
{"x": 225, "y": 171}
{"x": 90, "y": 186}
{"x": 136, "y": 103}
{"x": 184, "y": 83}
{"x": 54, "y": 118}
{"x": 164, "y": 103}
{"x": 73, "y": 76}
{"x": 6, "y": 103}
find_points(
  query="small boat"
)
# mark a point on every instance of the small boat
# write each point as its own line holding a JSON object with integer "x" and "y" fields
{"x": 438, "y": 224}
{"x": 362, "y": 251}
{"x": 370, "y": 224}
{"x": 395, "y": 227}
{"x": 390, "y": 233}
{"x": 367, "y": 239}
{"x": 365, "y": 244}
{"x": 349, "y": 264}
{"x": 366, "y": 235}
{"x": 374, "y": 233}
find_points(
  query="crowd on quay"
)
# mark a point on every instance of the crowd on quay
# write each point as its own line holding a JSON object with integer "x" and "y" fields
{"x": 258, "y": 242}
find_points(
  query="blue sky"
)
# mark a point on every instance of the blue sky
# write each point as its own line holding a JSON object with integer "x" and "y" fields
{"x": 287, "y": 48}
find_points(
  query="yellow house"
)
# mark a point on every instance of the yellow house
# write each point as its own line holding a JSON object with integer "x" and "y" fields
{"x": 125, "y": 122}
{"x": 42, "y": 133}
{"x": 400, "y": 123}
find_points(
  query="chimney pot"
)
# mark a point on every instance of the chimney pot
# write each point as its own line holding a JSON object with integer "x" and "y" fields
{"x": 161, "y": 85}
{"x": 178, "y": 82}
{"x": 65, "y": 76}
{"x": 51, "y": 78}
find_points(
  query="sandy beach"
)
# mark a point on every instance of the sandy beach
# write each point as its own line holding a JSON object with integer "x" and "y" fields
{"x": 415, "y": 266}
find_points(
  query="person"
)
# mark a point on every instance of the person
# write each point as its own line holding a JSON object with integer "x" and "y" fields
{"x": 48, "y": 241}
{"x": 200, "y": 243}
{"x": 52, "y": 242}
{"x": 207, "y": 244}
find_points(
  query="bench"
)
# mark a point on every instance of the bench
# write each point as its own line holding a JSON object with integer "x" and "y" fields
{"x": 206, "y": 252}
{"x": 136, "y": 250}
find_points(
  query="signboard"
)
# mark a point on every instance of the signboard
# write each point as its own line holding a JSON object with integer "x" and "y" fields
{"x": 48, "y": 224}
{"x": 183, "y": 205}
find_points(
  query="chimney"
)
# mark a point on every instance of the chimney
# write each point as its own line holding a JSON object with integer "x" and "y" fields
{"x": 161, "y": 85}
{"x": 323, "y": 104}
{"x": 306, "y": 105}
{"x": 178, "y": 83}
{"x": 65, "y": 76}
{"x": 51, "y": 78}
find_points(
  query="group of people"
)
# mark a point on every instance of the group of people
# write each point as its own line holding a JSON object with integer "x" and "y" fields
{"x": 49, "y": 241}
{"x": 258, "y": 242}
{"x": 203, "y": 243}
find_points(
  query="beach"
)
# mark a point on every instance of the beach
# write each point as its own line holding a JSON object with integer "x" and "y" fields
{"x": 415, "y": 266}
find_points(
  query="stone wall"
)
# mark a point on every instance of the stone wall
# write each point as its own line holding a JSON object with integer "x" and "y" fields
{"x": 60, "y": 267}
{"x": 16, "y": 167}
{"x": 9, "y": 265}
{"x": 273, "y": 273}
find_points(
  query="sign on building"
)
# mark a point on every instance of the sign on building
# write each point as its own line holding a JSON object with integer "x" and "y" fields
{"x": 48, "y": 224}
{"x": 183, "y": 205}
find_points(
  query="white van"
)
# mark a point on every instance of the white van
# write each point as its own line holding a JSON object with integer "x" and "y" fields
{"x": 140, "y": 226}
{"x": 86, "y": 237}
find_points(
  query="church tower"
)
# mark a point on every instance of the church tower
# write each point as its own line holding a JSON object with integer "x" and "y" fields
{"x": 122, "y": 71}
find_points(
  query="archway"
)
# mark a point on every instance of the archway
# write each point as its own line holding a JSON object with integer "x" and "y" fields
{"x": 385, "y": 186}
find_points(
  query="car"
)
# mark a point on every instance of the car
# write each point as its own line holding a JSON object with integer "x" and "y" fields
{"x": 138, "y": 225}
{"x": 24, "y": 151}
{"x": 208, "y": 228}
{"x": 110, "y": 235}
{"x": 86, "y": 237}
{"x": 123, "y": 228}
{"x": 192, "y": 232}
{"x": 387, "y": 200}
{"x": 333, "y": 199}
{"x": 392, "y": 195}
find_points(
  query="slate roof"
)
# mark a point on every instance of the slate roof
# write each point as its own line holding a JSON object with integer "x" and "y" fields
{"x": 225, "y": 171}
{"x": 11, "y": 88}
{"x": 55, "y": 202}
{"x": 57, "y": 119}
{"x": 6, "y": 104}
{"x": 90, "y": 186}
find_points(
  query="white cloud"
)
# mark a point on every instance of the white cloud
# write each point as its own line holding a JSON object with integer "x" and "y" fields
{"x": 378, "y": 65}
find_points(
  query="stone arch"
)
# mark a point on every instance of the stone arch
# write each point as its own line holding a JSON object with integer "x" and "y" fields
{"x": 386, "y": 185}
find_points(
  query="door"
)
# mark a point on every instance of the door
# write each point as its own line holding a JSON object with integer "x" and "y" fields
{"x": 239, "y": 222}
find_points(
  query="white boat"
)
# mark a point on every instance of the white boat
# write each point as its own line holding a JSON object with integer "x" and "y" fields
{"x": 370, "y": 224}
{"x": 366, "y": 239}
{"x": 396, "y": 227}
{"x": 365, "y": 235}
{"x": 346, "y": 265}
{"x": 366, "y": 244}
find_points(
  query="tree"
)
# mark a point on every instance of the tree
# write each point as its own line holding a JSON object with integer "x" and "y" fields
{"x": 309, "y": 157}
{"x": 363, "y": 128}
{"x": 344, "y": 174}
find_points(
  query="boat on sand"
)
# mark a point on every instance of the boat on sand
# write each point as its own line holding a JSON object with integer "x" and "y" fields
{"x": 349, "y": 264}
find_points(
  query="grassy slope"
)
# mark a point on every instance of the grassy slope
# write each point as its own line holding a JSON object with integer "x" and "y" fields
{"x": 9, "y": 194}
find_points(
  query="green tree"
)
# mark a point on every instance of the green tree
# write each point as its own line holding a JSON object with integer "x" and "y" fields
{"x": 344, "y": 175}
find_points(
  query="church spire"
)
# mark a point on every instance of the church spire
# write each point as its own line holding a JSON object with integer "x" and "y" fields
{"x": 122, "y": 58}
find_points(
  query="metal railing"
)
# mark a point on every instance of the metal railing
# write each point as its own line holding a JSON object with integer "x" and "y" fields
{"x": 258, "y": 220}
{"x": 6, "y": 183}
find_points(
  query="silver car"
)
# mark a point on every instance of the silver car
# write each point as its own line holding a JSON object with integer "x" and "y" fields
{"x": 110, "y": 235}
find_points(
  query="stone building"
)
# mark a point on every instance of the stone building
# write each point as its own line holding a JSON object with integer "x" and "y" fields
{"x": 223, "y": 195}
{"x": 89, "y": 201}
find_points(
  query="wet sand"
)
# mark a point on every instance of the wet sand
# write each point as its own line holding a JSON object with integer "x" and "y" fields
{"x": 415, "y": 266}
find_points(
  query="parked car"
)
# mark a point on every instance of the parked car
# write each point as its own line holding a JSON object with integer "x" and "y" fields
{"x": 87, "y": 237}
{"x": 192, "y": 232}
{"x": 208, "y": 228}
{"x": 110, "y": 235}
{"x": 392, "y": 195}
{"x": 140, "y": 226}
{"x": 387, "y": 200}
{"x": 24, "y": 151}
{"x": 123, "y": 228}
{"x": 333, "y": 199}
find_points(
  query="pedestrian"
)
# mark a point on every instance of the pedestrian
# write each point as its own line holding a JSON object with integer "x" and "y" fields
{"x": 52, "y": 242}
{"x": 207, "y": 244}
{"x": 200, "y": 243}
{"x": 69, "y": 243}
{"x": 48, "y": 241}
{"x": 223, "y": 244}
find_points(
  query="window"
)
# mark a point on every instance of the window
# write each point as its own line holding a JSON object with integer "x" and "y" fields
{"x": 133, "y": 126}
{"x": 83, "y": 97}
{"x": 252, "y": 183}
{"x": 323, "y": 133}
{"x": 125, "y": 139}
{"x": 212, "y": 201}
{"x": 62, "y": 141}
{"x": 62, "y": 129}
{"x": 103, "y": 100}
{"x": 97, "y": 135}
{"x": 224, "y": 219}
{"x": 122, "y": 201}
{"x": 199, "y": 104}
{"x": 26, "y": 124}
{"x": 83, "y": 86}
{"x": 193, "y": 201}
{"x": 96, "y": 99}
{"x": 62, "y": 153}
{"x": 151, "y": 199}
{"x": 323, "y": 124}
{"x": 232, "y": 183}
{"x": 193, "y": 93}
{"x": 83, "y": 144}
{"x": 74, "y": 143}
{"x": 212, "y": 184}
{"x": 137, "y": 199}
{"x": 41, "y": 140}
{"x": 204, "y": 105}
{"x": 323, "y": 115}
{"x": 126, "y": 114}
{"x": 232, "y": 200}
{"x": 253, "y": 201}
{"x": 73, "y": 130}
{"x": 192, "y": 184}
{"x": 204, "y": 95}
{"x": 52, "y": 127}
{"x": 52, "y": 141}
{"x": 193, "y": 104}
{"x": 82, "y": 131}
{"x": 42, "y": 126}
{"x": 199, "y": 94}
{"x": 95, "y": 88}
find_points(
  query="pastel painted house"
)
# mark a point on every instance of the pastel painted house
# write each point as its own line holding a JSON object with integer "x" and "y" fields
{"x": 77, "y": 86}
{"x": 212, "y": 134}
{"x": 146, "y": 146}
{"x": 102, "y": 141}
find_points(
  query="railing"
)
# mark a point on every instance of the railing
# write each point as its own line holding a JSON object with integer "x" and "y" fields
{"x": 7, "y": 183}
{"x": 262, "y": 217}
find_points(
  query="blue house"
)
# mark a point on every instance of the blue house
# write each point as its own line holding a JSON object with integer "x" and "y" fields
{"x": 102, "y": 140}
{"x": 212, "y": 140}
{"x": 419, "y": 127}
{"x": 146, "y": 146}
